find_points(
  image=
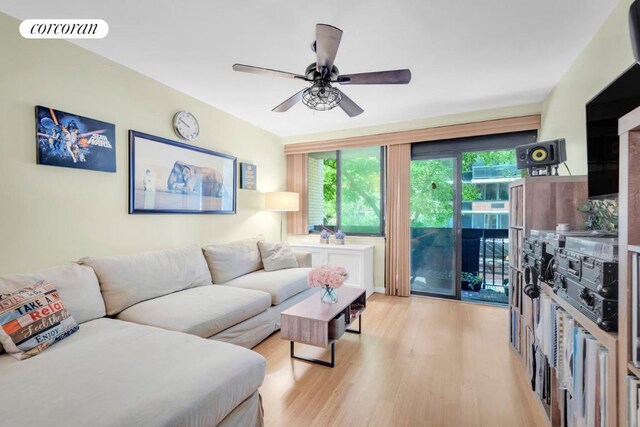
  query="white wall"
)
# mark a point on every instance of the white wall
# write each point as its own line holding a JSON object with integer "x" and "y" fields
{"x": 605, "y": 57}
{"x": 51, "y": 215}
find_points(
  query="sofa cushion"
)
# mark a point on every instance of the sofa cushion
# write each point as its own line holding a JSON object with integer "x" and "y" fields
{"x": 233, "y": 259}
{"x": 202, "y": 311}
{"x": 129, "y": 279}
{"x": 281, "y": 284}
{"x": 277, "y": 256}
{"x": 114, "y": 373}
{"x": 33, "y": 319}
{"x": 77, "y": 284}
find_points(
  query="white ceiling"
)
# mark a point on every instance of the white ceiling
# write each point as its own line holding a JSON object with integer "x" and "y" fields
{"x": 464, "y": 55}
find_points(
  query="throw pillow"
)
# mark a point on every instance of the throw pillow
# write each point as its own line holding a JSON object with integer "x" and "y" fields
{"x": 32, "y": 319}
{"x": 231, "y": 260}
{"x": 277, "y": 256}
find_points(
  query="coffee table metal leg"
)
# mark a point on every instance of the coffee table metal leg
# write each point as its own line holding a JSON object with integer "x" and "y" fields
{"x": 330, "y": 364}
{"x": 356, "y": 331}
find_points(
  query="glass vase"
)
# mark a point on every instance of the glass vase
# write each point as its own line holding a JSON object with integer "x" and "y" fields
{"x": 329, "y": 295}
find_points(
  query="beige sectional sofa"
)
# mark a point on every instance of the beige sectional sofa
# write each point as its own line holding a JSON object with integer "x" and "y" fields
{"x": 139, "y": 357}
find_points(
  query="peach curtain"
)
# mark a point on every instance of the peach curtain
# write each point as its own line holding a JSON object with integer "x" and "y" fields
{"x": 297, "y": 173}
{"x": 398, "y": 221}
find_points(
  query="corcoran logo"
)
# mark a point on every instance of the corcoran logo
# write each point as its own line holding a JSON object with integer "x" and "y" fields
{"x": 64, "y": 29}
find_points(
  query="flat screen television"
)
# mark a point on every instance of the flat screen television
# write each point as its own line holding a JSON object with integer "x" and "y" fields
{"x": 603, "y": 112}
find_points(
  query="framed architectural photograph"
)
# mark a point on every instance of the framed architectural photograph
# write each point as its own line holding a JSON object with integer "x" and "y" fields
{"x": 72, "y": 141}
{"x": 248, "y": 176}
{"x": 172, "y": 177}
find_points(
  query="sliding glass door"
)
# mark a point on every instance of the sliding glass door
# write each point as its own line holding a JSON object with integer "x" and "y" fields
{"x": 433, "y": 227}
{"x": 460, "y": 216}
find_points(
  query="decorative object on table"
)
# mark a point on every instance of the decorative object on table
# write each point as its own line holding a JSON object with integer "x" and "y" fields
{"x": 328, "y": 278}
{"x": 602, "y": 215}
{"x": 322, "y": 96}
{"x": 73, "y": 141}
{"x": 339, "y": 238}
{"x": 248, "y": 173}
{"x": 324, "y": 237}
{"x": 277, "y": 256}
{"x": 282, "y": 201}
{"x": 172, "y": 177}
{"x": 186, "y": 125}
{"x": 33, "y": 319}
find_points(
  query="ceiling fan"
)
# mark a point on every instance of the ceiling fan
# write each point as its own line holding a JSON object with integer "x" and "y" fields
{"x": 322, "y": 74}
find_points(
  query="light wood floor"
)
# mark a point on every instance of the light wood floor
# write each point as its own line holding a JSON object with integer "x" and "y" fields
{"x": 419, "y": 362}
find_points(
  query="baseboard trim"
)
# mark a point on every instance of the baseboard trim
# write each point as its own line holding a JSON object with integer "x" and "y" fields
{"x": 378, "y": 290}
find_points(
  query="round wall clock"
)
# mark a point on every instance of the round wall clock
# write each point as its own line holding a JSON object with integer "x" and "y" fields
{"x": 186, "y": 125}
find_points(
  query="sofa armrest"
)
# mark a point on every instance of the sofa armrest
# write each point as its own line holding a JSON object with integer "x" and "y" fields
{"x": 304, "y": 258}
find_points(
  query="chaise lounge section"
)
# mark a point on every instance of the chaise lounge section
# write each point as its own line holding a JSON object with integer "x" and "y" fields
{"x": 122, "y": 373}
{"x": 139, "y": 357}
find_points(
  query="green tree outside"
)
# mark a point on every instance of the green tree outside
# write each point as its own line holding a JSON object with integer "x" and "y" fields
{"x": 431, "y": 189}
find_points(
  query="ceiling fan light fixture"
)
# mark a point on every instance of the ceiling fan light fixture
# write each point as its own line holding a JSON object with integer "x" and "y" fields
{"x": 321, "y": 96}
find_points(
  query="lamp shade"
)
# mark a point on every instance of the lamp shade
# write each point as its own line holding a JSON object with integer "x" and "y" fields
{"x": 283, "y": 201}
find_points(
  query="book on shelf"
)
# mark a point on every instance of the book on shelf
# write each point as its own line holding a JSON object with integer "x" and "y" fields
{"x": 562, "y": 347}
{"x": 635, "y": 309}
{"x": 633, "y": 384}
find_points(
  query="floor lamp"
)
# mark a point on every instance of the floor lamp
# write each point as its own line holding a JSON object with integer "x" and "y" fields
{"x": 282, "y": 201}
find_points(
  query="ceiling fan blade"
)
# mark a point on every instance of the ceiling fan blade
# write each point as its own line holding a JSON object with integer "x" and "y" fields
{"x": 327, "y": 42}
{"x": 393, "y": 77}
{"x": 286, "y": 105}
{"x": 349, "y": 107}
{"x": 258, "y": 70}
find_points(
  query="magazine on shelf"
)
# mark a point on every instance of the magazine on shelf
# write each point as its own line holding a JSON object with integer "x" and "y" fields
{"x": 580, "y": 363}
{"x": 635, "y": 357}
{"x": 632, "y": 395}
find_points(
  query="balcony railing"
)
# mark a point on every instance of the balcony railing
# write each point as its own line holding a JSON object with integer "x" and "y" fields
{"x": 493, "y": 258}
{"x": 485, "y": 261}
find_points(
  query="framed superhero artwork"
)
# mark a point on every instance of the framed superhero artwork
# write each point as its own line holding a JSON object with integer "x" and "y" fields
{"x": 167, "y": 176}
{"x": 73, "y": 141}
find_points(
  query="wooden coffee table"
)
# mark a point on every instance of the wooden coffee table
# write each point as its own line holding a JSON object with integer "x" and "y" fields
{"x": 316, "y": 323}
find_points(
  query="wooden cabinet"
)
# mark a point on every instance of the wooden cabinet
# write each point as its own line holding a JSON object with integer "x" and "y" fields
{"x": 538, "y": 203}
{"x": 357, "y": 259}
{"x": 628, "y": 248}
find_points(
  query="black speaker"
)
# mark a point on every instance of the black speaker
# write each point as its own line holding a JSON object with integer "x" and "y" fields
{"x": 539, "y": 154}
{"x": 634, "y": 28}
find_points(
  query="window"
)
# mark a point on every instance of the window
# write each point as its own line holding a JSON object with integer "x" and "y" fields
{"x": 345, "y": 191}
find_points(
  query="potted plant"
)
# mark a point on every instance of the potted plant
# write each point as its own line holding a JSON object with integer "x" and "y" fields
{"x": 340, "y": 236}
{"x": 324, "y": 237}
{"x": 505, "y": 286}
{"x": 602, "y": 215}
{"x": 471, "y": 281}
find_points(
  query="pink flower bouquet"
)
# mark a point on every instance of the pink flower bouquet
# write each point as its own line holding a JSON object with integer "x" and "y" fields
{"x": 332, "y": 276}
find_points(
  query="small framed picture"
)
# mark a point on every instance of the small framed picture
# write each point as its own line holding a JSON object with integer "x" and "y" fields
{"x": 248, "y": 176}
{"x": 73, "y": 141}
{"x": 172, "y": 177}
